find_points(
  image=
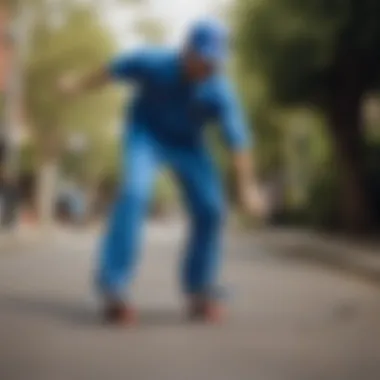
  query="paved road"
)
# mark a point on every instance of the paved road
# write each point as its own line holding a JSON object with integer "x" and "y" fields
{"x": 289, "y": 320}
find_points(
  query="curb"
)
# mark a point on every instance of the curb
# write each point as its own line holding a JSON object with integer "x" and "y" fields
{"x": 361, "y": 259}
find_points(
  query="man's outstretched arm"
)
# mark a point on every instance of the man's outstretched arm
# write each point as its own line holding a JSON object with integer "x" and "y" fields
{"x": 75, "y": 85}
{"x": 124, "y": 67}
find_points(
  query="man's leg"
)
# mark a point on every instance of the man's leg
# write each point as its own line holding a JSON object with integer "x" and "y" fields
{"x": 203, "y": 195}
{"x": 122, "y": 241}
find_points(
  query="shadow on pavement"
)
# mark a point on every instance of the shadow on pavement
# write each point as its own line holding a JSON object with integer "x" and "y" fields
{"x": 79, "y": 314}
{"x": 28, "y": 306}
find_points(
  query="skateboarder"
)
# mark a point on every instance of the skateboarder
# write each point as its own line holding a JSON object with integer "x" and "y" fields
{"x": 177, "y": 94}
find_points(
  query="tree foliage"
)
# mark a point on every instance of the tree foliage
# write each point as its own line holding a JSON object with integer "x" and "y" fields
{"x": 322, "y": 54}
{"x": 301, "y": 46}
{"x": 151, "y": 30}
{"x": 72, "y": 41}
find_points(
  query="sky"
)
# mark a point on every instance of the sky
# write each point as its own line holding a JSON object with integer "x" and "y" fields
{"x": 176, "y": 15}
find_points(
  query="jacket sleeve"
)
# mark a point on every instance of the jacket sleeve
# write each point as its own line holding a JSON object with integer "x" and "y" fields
{"x": 128, "y": 66}
{"x": 231, "y": 119}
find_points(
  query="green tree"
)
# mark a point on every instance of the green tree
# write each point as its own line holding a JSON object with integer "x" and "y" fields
{"x": 324, "y": 54}
{"x": 67, "y": 37}
{"x": 151, "y": 30}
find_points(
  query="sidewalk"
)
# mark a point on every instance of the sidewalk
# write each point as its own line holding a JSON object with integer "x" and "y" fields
{"x": 359, "y": 258}
{"x": 19, "y": 238}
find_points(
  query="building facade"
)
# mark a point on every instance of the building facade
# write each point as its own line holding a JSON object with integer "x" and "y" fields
{"x": 5, "y": 48}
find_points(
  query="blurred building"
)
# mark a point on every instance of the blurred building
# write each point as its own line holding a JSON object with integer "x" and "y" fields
{"x": 5, "y": 58}
{"x": 19, "y": 132}
{"x": 5, "y": 48}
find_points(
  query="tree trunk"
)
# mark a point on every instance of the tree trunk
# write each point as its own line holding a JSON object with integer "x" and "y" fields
{"x": 345, "y": 119}
{"x": 47, "y": 177}
{"x": 46, "y": 192}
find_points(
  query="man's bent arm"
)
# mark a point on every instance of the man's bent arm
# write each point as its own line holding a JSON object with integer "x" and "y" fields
{"x": 237, "y": 136}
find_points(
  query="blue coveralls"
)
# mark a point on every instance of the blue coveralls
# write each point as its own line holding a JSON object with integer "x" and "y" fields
{"x": 165, "y": 126}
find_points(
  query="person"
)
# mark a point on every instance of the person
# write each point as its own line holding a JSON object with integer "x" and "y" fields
{"x": 9, "y": 193}
{"x": 178, "y": 93}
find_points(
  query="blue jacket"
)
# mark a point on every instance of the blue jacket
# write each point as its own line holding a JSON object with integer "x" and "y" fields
{"x": 173, "y": 109}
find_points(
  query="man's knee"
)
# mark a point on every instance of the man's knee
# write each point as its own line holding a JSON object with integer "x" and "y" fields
{"x": 135, "y": 191}
{"x": 130, "y": 203}
{"x": 211, "y": 214}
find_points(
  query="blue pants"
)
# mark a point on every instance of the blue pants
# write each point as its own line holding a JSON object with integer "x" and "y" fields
{"x": 202, "y": 193}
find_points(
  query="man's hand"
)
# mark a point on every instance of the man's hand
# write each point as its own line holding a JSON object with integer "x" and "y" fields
{"x": 72, "y": 85}
{"x": 68, "y": 85}
{"x": 252, "y": 200}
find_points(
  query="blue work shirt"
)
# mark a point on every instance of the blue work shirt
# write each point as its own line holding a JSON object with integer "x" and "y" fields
{"x": 173, "y": 109}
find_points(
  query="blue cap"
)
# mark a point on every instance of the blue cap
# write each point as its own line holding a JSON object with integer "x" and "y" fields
{"x": 209, "y": 40}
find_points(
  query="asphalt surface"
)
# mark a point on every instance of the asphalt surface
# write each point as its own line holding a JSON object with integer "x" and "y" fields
{"x": 289, "y": 320}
